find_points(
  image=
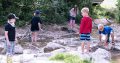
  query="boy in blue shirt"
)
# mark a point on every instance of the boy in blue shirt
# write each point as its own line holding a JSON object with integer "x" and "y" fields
{"x": 107, "y": 31}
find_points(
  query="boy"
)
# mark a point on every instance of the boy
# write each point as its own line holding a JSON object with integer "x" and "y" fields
{"x": 35, "y": 25}
{"x": 85, "y": 29}
{"x": 73, "y": 12}
{"x": 10, "y": 34}
{"x": 107, "y": 31}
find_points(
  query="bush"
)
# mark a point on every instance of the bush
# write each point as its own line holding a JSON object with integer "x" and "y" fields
{"x": 53, "y": 11}
{"x": 68, "y": 58}
{"x": 117, "y": 12}
{"x": 100, "y": 12}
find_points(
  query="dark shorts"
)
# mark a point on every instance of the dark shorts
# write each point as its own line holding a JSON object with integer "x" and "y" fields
{"x": 85, "y": 37}
{"x": 34, "y": 29}
{"x": 108, "y": 36}
{"x": 72, "y": 18}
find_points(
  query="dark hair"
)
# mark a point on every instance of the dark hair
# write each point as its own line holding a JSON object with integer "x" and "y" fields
{"x": 37, "y": 12}
{"x": 12, "y": 16}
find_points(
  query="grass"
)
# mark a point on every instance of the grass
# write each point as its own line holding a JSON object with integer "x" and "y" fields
{"x": 69, "y": 58}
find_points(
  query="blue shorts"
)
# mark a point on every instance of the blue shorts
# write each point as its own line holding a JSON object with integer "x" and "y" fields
{"x": 10, "y": 49}
{"x": 85, "y": 37}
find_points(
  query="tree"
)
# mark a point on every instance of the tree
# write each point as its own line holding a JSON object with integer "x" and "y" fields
{"x": 118, "y": 12}
{"x": 53, "y": 11}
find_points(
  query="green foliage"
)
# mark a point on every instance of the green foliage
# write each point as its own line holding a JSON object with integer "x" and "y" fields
{"x": 52, "y": 11}
{"x": 117, "y": 12}
{"x": 69, "y": 58}
{"x": 100, "y": 12}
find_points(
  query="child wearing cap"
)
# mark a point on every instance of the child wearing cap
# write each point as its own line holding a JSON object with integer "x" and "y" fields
{"x": 107, "y": 31}
{"x": 10, "y": 34}
{"x": 35, "y": 25}
{"x": 85, "y": 29}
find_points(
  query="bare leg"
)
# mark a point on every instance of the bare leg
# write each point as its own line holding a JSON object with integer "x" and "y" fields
{"x": 82, "y": 46}
{"x": 33, "y": 36}
{"x": 112, "y": 36}
{"x": 73, "y": 24}
{"x": 106, "y": 44}
{"x": 88, "y": 46}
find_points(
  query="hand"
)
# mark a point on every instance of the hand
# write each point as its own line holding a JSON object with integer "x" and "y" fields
{"x": 41, "y": 29}
{"x": 8, "y": 43}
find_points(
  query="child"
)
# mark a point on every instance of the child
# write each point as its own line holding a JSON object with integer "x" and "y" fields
{"x": 107, "y": 31}
{"x": 73, "y": 12}
{"x": 35, "y": 25}
{"x": 85, "y": 29}
{"x": 10, "y": 34}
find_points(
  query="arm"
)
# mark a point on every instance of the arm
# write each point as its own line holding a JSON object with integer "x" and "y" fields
{"x": 39, "y": 25}
{"x": 112, "y": 35}
{"x": 100, "y": 37}
{"x": 82, "y": 25}
{"x": 91, "y": 26}
{"x": 6, "y": 36}
{"x": 16, "y": 38}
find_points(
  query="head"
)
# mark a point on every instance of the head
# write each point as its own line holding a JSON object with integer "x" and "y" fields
{"x": 12, "y": 18}
{"x": 36, "y": 13}
{"x": 85, "y": 11}
{"x": 100, "y": 27}
{"x": 75, "y": 8}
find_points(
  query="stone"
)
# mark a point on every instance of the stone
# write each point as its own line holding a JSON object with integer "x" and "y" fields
{"x": 18, "y": 49}
{"x": 52, "y": 46}
{"x": 101, "y": 54}
{"x": 2, "y": 47}
{"x": 58, "y": 51}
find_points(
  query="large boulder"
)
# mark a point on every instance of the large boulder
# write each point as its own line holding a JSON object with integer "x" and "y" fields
{"x": 18, "y": 49}
{"x": 27, "y": 58}
{"x": 61, "y": 50}
{"x": 2, "y": 45}
{"x": 52, "y": 46}
{"x": 102, "y": 61}
{"x": 100, "y": 54}
{"x": 67, "y": 42}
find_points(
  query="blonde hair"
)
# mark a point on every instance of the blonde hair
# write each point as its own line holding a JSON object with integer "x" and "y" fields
{"x": 85, "y": 9}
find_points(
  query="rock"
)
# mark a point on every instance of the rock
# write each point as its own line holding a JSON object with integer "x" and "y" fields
{"x": 27, "y": 58}
{"x": 61, "y": 41}
{"x": 52, "y": 46}
{"x": 18, "y": 49}
{"x": 58, "y": 51}
{"x": 27, "y": 51}
{"x": 117, "y": 46}
{"x": 16, "y": 58}
{"x": 64, "y": 28}
{"x": 43, "y": 55}
{"x": 102, "y": 61}
{"x": 67, "y": 42}
{"x": 101, "y": 54}
{"x": 2, "y": 45}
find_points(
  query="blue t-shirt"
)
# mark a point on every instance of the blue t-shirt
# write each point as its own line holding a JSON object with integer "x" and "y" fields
{"x": 107, "y": 30}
